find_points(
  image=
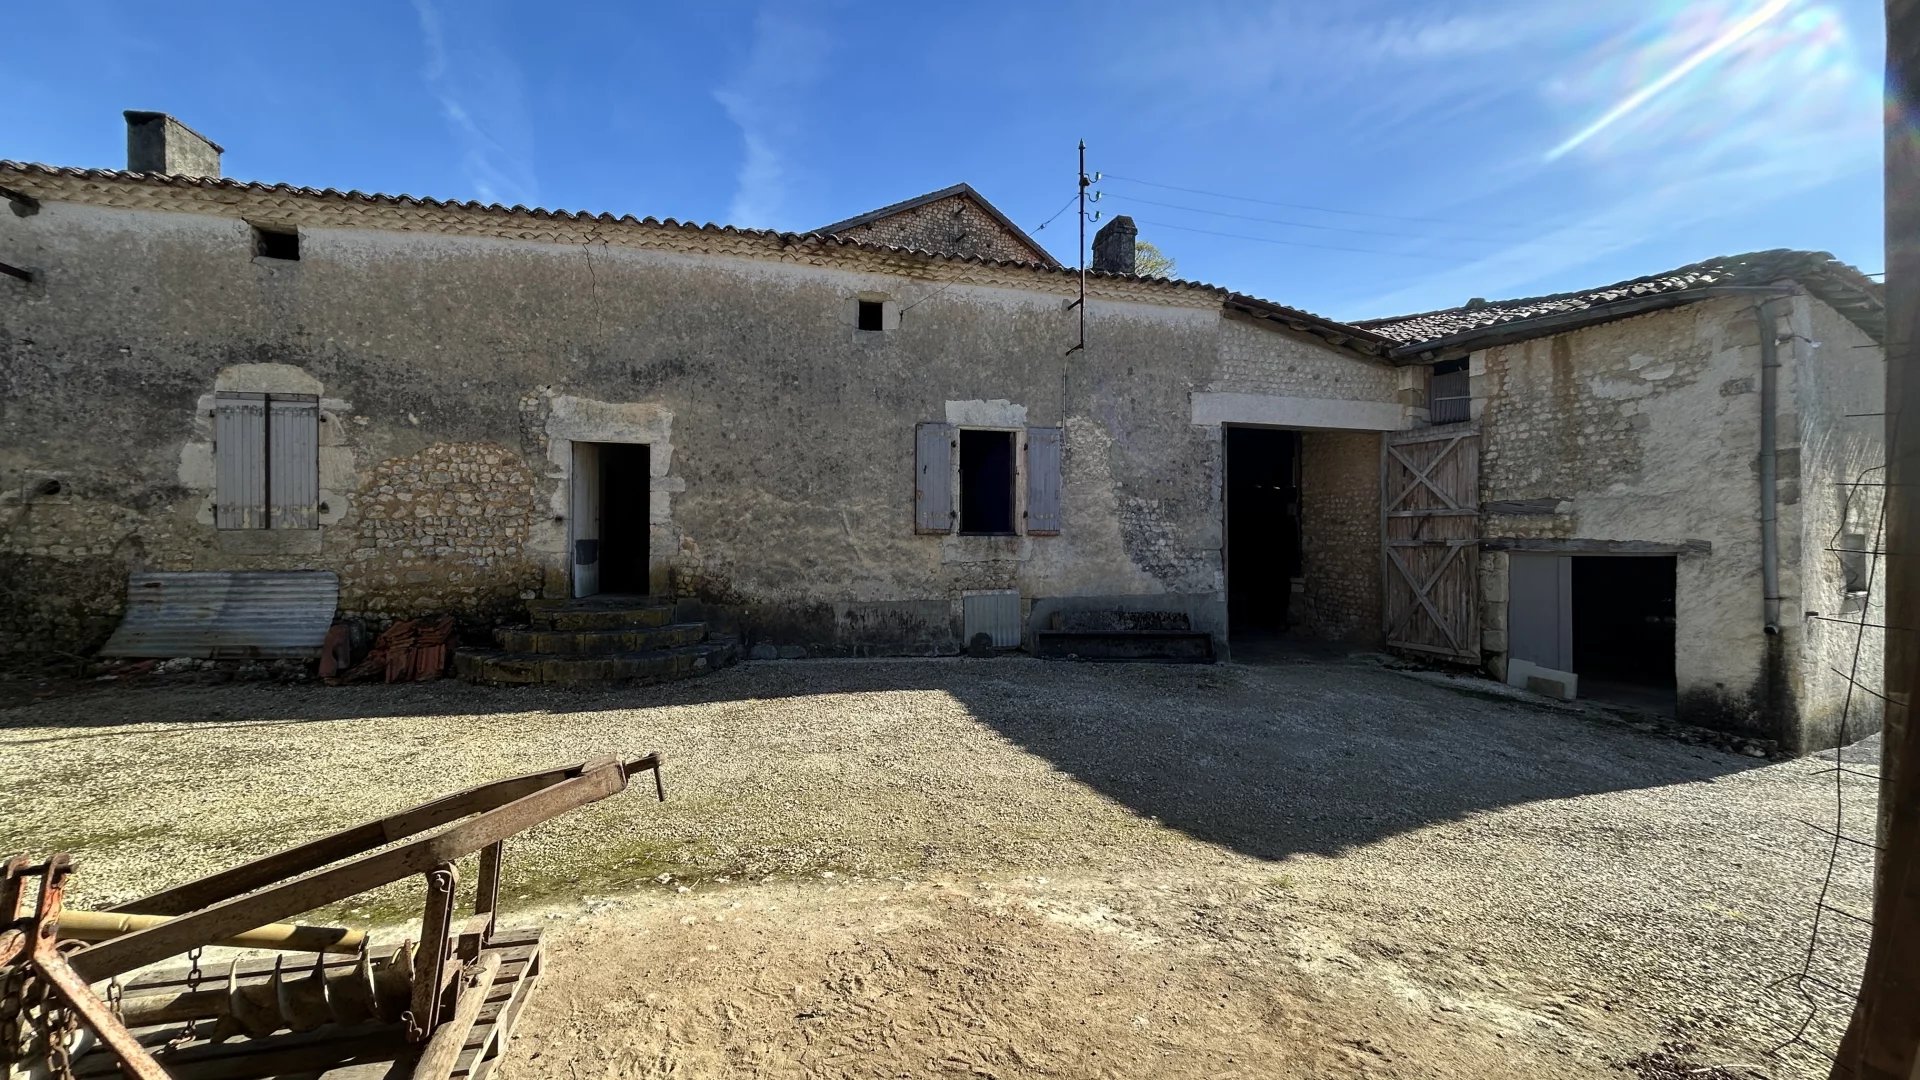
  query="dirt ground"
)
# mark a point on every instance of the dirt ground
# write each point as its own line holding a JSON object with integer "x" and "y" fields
{"x": 1013, "y": 868}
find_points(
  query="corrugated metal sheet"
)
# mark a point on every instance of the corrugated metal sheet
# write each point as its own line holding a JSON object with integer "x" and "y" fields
{"x": 240, "y": 461}
{"x": 933, "y": 478}
{"x": 227, "y": 614}
{"x": 293, "y": 459}
{"x": 1043, "y": 481}
{"x": 995, "y": 613}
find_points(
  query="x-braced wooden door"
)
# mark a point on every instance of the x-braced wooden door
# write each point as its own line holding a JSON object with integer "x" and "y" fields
{"x": 1430, "y": 521}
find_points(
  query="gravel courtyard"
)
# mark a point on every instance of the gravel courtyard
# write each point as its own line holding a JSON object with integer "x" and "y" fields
{"x": 1010, "y": 867}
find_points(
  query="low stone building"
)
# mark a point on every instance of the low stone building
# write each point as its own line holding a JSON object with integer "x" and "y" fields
{"x": 888, "y": 436}
{"x": 1677, "y": 487}
{"x": 838, "y": 445}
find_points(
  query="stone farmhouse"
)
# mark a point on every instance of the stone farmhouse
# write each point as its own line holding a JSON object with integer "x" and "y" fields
{"x": 886, "y": 437}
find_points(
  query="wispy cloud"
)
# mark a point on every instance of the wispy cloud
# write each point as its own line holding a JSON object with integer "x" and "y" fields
{"x": 1711, "y": 112}
{"x": 765, "y": 99}
{"x": 487, "y": 115}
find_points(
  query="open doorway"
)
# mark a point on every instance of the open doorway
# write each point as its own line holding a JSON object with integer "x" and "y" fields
{"x": 1263, "y": 528}
{"x": 610, "y": 498}
{"x": 1623, "y": 629}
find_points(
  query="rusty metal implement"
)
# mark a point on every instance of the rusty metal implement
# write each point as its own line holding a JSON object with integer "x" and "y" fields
{"x": 441, "y": 1007}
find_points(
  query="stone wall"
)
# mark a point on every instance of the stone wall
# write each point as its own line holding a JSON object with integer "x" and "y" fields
{"x": 444, "y": 529}
{"x": 1829, "y": 460}
{"x": 955, "y": 225}
{"x": 1256, "y": 358}
{"x": 1648, "y": 429}
{"x": 455, "y": 372}
{"x": 1340, "y": 527}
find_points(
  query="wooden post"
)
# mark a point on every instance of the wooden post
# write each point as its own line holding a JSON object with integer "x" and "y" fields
{"x": 1883, "y": 1040}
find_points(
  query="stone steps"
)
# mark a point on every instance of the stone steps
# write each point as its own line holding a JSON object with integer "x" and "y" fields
{"x": 582, "y": 642}
{"x": 600, "y": 613}
{"x": 601, "y": 639}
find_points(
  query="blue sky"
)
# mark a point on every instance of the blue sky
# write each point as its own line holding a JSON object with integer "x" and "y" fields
{"x": 1361, "y": 158}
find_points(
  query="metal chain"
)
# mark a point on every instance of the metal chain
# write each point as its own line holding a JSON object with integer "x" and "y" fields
{"x": 191, "y": 1030}
{"x": 62, "y": 1026}
{"x": 14, "y": 1037}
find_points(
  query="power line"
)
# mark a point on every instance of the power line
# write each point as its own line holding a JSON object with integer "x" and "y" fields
{"x": 1320, "y": 209}
{"x": 1296, "y": 224}
{"x": 1057, "y": 213}
{"x": 1299, "y": 243}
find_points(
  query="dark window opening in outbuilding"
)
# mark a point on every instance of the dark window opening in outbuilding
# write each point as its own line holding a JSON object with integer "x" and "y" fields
{"x": 1449, "y": 399}
{"x": 276, "y": 244}
{"x": 870, "y": 315}
{"x": 986, "y": 482}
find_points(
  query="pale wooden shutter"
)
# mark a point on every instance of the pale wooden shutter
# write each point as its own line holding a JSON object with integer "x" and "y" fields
{"x": 933, "y": 477}
{"x": 293, "y": 462}
{"x": 240, "y": 461}
{"x": 1043, "y": 481}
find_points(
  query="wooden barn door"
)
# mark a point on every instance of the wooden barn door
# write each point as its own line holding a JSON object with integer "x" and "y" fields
{"x": 1430, "y": 492}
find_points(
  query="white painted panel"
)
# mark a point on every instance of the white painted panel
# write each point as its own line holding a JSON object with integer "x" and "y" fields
{"x": 584, "y": 513}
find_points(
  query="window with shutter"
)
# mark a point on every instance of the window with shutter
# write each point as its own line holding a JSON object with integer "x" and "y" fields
{"x": 266, "y": 461}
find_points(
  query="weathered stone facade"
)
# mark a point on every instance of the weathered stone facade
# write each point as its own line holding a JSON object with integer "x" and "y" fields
{"x": 458, "y": 355}
{"x": 1647, "y": 429}
{"x": 444, "y": 529}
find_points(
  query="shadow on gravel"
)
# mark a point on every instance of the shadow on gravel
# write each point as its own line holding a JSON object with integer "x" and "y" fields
{"x": 1266, "y": 760}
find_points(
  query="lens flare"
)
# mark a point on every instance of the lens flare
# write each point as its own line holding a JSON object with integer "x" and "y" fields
{"x": 1719, "y": 83}
{"x": 1760, "y": 17}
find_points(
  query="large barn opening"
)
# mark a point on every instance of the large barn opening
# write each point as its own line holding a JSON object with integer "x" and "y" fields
{"x": 1622, "y": 618}
{"x": 1263, "y": 548}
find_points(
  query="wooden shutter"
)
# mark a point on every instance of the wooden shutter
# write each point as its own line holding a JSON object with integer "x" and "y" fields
{"x": 240, "y": 461}
{"x": 293, "y": 462}
{"x": 1043, "y": 481}
{"x": 933, "y": 477}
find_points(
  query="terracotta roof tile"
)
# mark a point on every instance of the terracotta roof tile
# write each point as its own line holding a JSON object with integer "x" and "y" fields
{"x": 1845, "y": 288}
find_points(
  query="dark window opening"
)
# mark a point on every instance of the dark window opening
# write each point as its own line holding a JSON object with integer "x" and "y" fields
{"x": 1263, "y": 549}
{"x": 986, "y": 482}
{"x": 870, "y": 315}
{"x": 1449, "y": 399}
{"x": 276, "y": 244}
{"x": 1623, "y": 628}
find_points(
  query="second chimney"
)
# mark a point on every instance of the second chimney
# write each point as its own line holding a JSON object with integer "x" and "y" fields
{"x": 157, "y": 143}
{"x": 1113, "y": 246}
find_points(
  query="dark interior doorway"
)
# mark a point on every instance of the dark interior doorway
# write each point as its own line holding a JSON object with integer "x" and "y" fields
{"x": 1623, "y": 628}
{"x": 1263, "y": 527}
{"x": 623, "y": 517}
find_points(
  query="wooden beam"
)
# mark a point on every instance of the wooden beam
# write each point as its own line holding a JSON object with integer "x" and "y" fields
{"x": 1523, "y": 507}
{"x": 1572, "y": 546}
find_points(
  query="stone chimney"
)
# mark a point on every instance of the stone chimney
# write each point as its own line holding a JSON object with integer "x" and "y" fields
{"x": 157, "y": 143}
{"x": 1113, "y": 246}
